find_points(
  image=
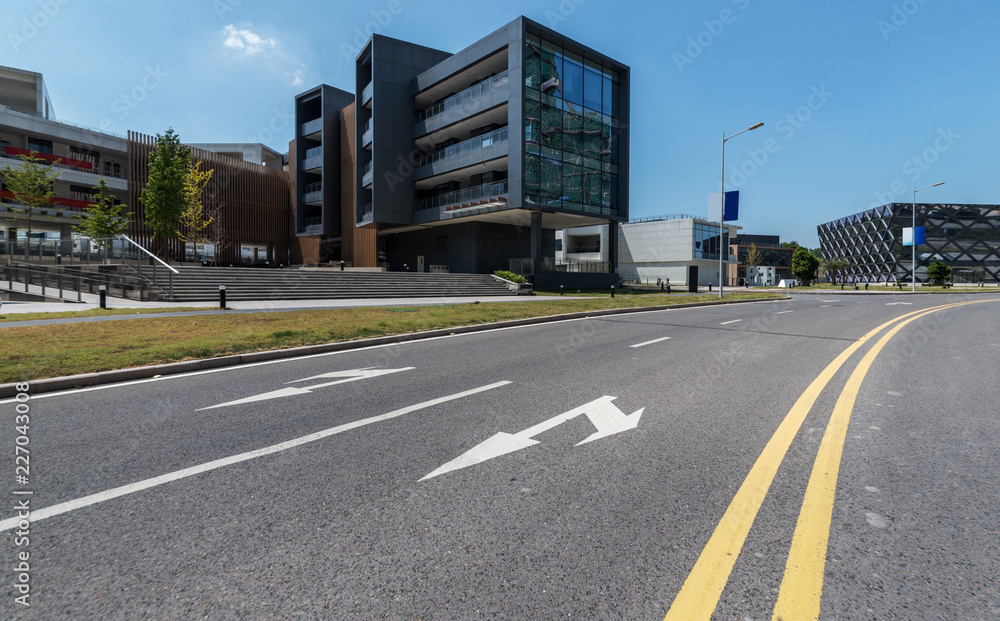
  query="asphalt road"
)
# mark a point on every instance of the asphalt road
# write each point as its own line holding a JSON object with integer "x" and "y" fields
{"x": 446, "y": 478}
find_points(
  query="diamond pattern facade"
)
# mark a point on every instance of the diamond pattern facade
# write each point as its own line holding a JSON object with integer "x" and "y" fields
{"x": 964, "y": 237}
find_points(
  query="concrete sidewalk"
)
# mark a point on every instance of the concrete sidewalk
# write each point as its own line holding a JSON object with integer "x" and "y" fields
{"x": 11, "y": 308}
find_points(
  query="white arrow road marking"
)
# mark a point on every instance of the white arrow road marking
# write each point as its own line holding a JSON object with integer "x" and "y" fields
{"x": 666, "y": 338}
{"x": 898, "y": 303}
{"x": 608, "y": 419}
{"x": 348, "y": 376}
{"x": 93, "y": 499}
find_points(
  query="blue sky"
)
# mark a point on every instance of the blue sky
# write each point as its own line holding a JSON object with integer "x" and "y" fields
{"x": 862, "y": 99}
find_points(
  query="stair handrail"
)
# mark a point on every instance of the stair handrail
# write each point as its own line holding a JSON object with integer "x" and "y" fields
{"x": 152, "y": 256}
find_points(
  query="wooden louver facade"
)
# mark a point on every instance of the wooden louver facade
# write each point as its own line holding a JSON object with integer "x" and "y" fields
{"x": 252, "y": 204}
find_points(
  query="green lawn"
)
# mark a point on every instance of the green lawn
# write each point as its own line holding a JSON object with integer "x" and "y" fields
{"x": 35, "y": 352}
{"x": 95, "y": 312}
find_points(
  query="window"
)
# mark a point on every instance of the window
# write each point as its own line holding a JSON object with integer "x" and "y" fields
{"x": 40, "y": 145}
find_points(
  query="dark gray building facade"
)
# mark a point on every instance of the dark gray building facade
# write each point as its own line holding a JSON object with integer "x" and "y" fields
{"x": 964, "y": 237}
{"x": 466, "y": 161}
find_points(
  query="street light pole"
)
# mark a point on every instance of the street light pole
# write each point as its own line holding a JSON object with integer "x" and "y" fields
{"x": 913, "y": 236}
{"x": 722, "y": 198}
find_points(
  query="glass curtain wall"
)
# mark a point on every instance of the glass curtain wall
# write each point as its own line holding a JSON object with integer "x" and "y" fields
{"x": 571, "y": 128}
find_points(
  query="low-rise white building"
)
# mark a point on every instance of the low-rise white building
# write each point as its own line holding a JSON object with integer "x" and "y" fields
{"x": 675, "y": 249}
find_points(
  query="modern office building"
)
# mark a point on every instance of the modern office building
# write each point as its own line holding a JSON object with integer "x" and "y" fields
{"x": 466, "y": 161}
{"x": 680, "y": 248}
{"x": 964, "y": 237}
{"x": 81, "y": 155}
{"x": 773, "y": 264}
{"x": 439, "y": 161}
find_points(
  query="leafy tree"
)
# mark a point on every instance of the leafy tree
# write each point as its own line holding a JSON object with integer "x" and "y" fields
{"x": 804, "y": 265}
{"x": 104, "y": 218}
{"x": 834, "y": 267}
{"x": 164, "y": 198}
{"x": 32, "y": 186}
{"x": 194, "y": 222}
{"x": 790, "y": 244}
{"x": 938, "y": 272}
{"x": 754, "y": 256}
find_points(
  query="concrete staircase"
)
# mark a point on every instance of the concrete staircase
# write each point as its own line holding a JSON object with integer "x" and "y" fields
{"x": 201, "y": 284}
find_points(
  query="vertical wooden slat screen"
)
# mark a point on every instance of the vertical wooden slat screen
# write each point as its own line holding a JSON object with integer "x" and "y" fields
{"x": 256, "y": 202}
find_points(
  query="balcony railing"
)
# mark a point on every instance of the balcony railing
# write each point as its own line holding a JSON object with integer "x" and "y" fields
{"x": 314, "y": 152}
{"x": 67, "y": 162}
{"x": 316, "y": 221}
{"x": 469, "y": 146}
{"x": 314, "y": 187}
{"x": 369, "y": 167}
{"x": 366, "y": 93}
{"x": 459, "y": 99}
{"x": 487, "y": 191}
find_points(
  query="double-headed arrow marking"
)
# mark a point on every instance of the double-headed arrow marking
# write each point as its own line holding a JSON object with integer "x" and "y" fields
{"x": 608, "y": 419}
{"x": 352, "y": 375}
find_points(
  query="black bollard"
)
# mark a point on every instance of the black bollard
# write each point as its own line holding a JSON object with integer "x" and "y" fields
{"x": 104, "y": 296}
{"x": 709, "y": 287}
{"x": 561, "y": 289}
{"x": 612, "y": 291}
{"x": 222, "y": 297}
{"x": 668, "y": 287}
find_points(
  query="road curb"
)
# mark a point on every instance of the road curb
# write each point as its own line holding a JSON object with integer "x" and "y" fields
{"x": 86, "y": 380}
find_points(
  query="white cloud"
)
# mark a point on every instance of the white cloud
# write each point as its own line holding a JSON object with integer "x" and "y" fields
{"x": 245, "y": 43}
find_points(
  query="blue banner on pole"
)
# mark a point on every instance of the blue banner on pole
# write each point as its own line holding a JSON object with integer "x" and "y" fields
{"x": 731, "y": 208}
{"x": 913, "y": 236}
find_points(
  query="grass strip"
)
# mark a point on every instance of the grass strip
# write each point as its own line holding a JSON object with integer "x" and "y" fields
{"x": 56, "y": 350}
{"x": 99, "y": 312}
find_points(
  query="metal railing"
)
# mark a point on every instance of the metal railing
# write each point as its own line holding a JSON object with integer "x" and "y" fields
{"x": 468, "y": 146}
{"x": 673, "y": 216}
{"x": 69, "y": 254}
{"x": 62, "y": 122}
{"x": 465, "y": 195}
{"x": 314, "y": 152}
{"x": 56, "y": 281}
{"x": 316, "y": 186}
{"x": 95, "y": 169}
{"x": 459, "y": 99}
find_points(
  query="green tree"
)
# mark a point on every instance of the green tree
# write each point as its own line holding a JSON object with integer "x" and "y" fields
{"x": 753, "y": 258}
{"x": 835, "y": 267}
{"x": 804, "y": 265}
{"x": 165, "y": 196}
{"x": 105, "y": 218}
{"x": 938, "y": 272}
{"x": 194, "y": 222}
{"x": 32, "y": 186}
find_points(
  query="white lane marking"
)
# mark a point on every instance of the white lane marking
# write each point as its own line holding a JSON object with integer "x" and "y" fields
{"x": 872, "y": 489}
{"x": 239, "y": 367}
{"x": 899, "y": 303}
{"x": 726, "y": 323}
{"x": 131, "y": 488}
{"x": 875, "y": 428}
{"x": 895, "y": 394}
{"x": 876, "y": 520}
{"x": 829, "y": 300}
{"x": 666, "y": 338}
{"x": 825, "y": 306}
{"x": 865, "y": 302}
{"x": 783, "y": 312}
{"x": 604, "y": 415}
{"x": 352, "y": 375}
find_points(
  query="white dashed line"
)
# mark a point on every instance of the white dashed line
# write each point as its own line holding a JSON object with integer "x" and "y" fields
{"x": 726, "y": 323}
{"x": 783, "y": 312}
{"x": 666, "y": 338}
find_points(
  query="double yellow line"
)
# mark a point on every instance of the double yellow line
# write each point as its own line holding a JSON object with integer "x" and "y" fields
{"x": 802, "y": 585}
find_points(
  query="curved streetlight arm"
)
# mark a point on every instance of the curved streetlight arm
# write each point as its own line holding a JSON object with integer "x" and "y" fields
{"x": 722, "y": 199}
